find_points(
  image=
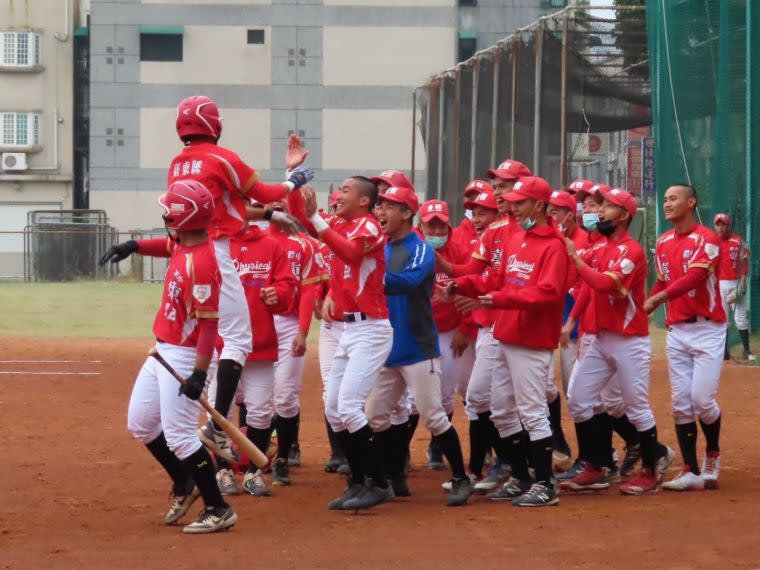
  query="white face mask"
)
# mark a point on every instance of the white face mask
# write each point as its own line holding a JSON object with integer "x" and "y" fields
{"x": 468, "y": 214}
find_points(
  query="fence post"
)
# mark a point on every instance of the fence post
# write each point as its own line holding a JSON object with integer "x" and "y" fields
{"x": 441, "y": 125}
{"x": 457, "y": 104}
{"x": 495, "y": 105}
{"x": 563, "y": 117}
{"x": 474, "y": 111}
{"x": 513, "y": 135}
{"x": 414, "y": 126}
{"x": 537, "y": 96}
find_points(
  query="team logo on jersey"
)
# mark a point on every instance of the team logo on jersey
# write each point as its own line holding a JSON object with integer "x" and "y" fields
{"x": 712, "y": 250}
{"x": 627, "y": 266}
{"x": 202, "y": 292}
{"x": 515, "y": 265}
{"x": 178, "y": 207}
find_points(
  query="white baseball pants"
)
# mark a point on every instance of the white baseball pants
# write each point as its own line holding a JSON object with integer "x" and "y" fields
{"x": 234, "y": 317}
{"x": 611, "y": 398}
{"x": 363, "y": 349}
{"x": 423, "y": 381}
{"x": 612, "y": 354}
{"x": 695, "y": 358}
{"x": 739, "y": 307}
{"x": 156, "y": 405}
{"x": 478, "y": 400}
{"x": 288, "y": 370}
{"x": 518, "y": 391}
{"x": 257, "y": 382}
{"x": 567, "y": 357}
{"x": 329, "y": 336}
{"x": 455, "y": 372}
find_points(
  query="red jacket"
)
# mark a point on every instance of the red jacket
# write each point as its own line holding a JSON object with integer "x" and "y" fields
{"x": 532, "y": 289}
{"x": 262, "y": 262}
{"x": 446, "y": 315}
{"x": 464, "y": 235}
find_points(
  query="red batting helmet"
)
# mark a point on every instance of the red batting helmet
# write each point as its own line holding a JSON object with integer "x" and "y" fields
{"x": 198, "y": 116}
{"x": 188, "y": 205}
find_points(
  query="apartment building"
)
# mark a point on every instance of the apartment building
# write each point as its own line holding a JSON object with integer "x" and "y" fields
{"x": 340, "y": 73}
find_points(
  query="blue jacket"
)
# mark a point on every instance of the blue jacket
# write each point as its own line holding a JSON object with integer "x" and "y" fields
{"x": 409, "y": 281}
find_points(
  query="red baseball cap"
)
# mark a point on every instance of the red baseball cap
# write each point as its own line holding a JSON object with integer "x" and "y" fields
{"x": 562, "y": 199}
{"x": 484, "y": 199}
{"x": 530, "y": 188}
{"x": 334, "y": 197}
{"x": 393, "y": 178}
{"x": 580, "y": 184}
{"x": 592, "y": 191}
{"x": 402, "y": 195}
{"x": 723, "y": 218}
{"x": 509, "y": 170}
{"x": 434, "y": 209}
{"x": 476, "y": 187}
{"x": 619, "y": 197}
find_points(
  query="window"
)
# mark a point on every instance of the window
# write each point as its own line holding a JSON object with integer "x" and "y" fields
{"x": 255, "y": 36}
{"x": 19, "y": 49}
{"x": 161, "y": 44}
{"x": 19, "y": 129}
{"x": 468, "y": 45}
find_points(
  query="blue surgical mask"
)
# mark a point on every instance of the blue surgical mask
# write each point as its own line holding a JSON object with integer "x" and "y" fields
{"x": 468, "y": 214}
{"x": 528, "y": 223}
{"x": 436, "y": 242}
{"x": 590, "y": 221}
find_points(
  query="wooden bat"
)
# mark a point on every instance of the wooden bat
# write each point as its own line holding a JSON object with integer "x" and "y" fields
{"x": 244, "y": 444}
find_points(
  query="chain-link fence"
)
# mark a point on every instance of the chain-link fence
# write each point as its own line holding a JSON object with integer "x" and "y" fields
{"x": 569, "y": 96}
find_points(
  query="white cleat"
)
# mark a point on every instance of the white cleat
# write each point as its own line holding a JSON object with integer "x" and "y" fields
{"x": 711, "y": 470}
{"x": 685, "y": 481}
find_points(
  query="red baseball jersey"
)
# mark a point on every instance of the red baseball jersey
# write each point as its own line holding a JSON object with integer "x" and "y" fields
{"x": 591, "y": 256}
{"x": 191, "y": 292}
{"x": 734, "y": 255}
{"x": 445, "y": 315}
{"x": 580, "y": 239}
{"x": 465, "y": 235}
{"x": 358, "y": 287}
{"x": 261, "y": 262}
{"x": 493, "y": 241}
{"x": 675, "y": 254}
{"x": 230, "y": 180}
{"x": 620, "y": 311}
{"x": 533, "y": 290}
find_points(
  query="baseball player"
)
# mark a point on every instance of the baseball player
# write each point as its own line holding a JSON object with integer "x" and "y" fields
{"x": 231, "y": 183}
{"x": 465, "y": 234}
{"x": 270, "y": 289}
{"x": 366, "y": 340}
{"x": 732, "y": 274}
{"x": 185, "y": 329}
{"x": 530, "y": 289}
{"x": 621, "y": 347}
{"x": 687, "y": 259}
{"x": 414, "y": 361}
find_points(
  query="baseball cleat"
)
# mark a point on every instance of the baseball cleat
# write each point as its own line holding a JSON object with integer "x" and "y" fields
{"x": 574, "y": 471}
{"x": 645, "y": 482}
{"x": 461, "y": 489}
{"x": 180, "y": 504}
{"x": 400, "y": 487}
{"x": 371, "y": 496}
{"x": 540, "y": 494}
{"x": 685, "y": 481}
{"x": 294, "y": 456}
{"x": 225, "y": 480}
{"x": 590, "y": 479}
{"x": 351, "y": 492}
{"x": 255, "y": 484}
{"x": 280, "y": 473}
{"x": 632, "y": 457}
{"x": 511, "y": 489}
{"x": 435, "y": 458}
{"x": 498, "y": 474}
{"x": 663, "y": 462}
{"x": 613, "y": 474}
{"x": 212, "y": 519}
{"x": 344, "y": 469}
{"x": 474, "y": 479}
{"x": 334, "y": 463}
{"x": 218, "y": 442}
{"x": 711, "y": 469}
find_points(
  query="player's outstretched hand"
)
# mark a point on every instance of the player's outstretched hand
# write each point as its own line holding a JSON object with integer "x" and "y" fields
{"x": 119, "y": 252}
{"x": 300, "y": 176}
{"x": 296, "y": 154}
{"x": 310, "y": 200}
{"x": 299, "y": 344}
{"x": 467, "y": 304}
{"x": 194, "y": 384}
{"x": 285, "y": 222}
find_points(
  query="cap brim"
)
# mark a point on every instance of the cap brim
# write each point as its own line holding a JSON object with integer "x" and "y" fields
{"x": 503, "y": 174}
{"x": 432, "y": 215}
{"x": 379, "y": 179}
{"x": 515, "y": 197}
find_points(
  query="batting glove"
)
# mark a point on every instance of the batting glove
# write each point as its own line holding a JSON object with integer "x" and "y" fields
{"x": 194, "y": 384}
{"x": 299, "y": 177}
{"x": 119, "y": 252}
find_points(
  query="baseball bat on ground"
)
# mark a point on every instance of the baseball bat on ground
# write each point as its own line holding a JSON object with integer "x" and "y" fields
{"x": 244, "y": 444}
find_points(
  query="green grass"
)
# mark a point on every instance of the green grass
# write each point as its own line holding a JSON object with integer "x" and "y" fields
{"x": 94, "y": 309}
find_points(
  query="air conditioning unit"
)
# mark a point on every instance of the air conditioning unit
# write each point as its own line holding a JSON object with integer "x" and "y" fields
{"x": 14, "y": 161}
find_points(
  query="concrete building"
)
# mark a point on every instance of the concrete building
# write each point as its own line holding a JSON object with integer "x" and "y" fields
{"x": 339, "y": 73}
{"x": 36, "y": 113}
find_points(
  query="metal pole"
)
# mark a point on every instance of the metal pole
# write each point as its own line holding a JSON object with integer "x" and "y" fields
{"x": 495, "y": 107}
{"x": 474, "y": 125}
{"x": 441, "y": 109}
{"x": 537, "y": 97}
{"x": 513, "y": 136}
{"x": 753, "y": 19}
{"x": 414, "y": 126}
{"x": 563, "y": 117}
{"x": 455, "y": 136}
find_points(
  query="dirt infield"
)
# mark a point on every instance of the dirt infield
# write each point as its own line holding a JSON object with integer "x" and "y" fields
{"x": 78, "y": 492}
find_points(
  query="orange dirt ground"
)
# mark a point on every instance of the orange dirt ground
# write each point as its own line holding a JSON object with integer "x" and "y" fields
{"x": 78, "y": 492}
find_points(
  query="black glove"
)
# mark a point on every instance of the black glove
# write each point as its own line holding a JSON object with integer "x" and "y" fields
{"x": 194, "y": 384}
{"x": 119, "y": 252}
